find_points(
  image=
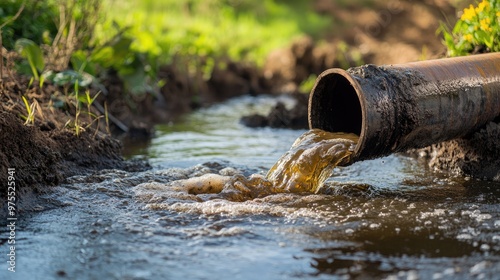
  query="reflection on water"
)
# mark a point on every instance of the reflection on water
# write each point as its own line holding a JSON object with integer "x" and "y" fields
{"x": 388, "y": 218}
{"x": 215, "y": 134}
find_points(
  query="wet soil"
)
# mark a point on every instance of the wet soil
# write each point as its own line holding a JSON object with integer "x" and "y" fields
{"x": 477, "y": 155}
{"x": 47, "y": 152}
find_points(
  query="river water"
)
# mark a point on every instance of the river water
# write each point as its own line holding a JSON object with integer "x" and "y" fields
{"x": 389, "y": 218}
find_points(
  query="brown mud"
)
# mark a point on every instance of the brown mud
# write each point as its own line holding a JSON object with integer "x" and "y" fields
{"x": 476, "y": 156}
{"x": 46, "y": 152}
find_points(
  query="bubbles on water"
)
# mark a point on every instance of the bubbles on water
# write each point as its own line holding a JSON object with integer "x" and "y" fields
{"x": 477, "y": 215}
{"x": 382, "y": 223}
{"x": 433, "y": 214}
{"x": 349, "y": 231}
{"x": 497, "y": 224}
{"x": 464, "y": 236}
{"x": 485, "y": 247}
{"x": 304, "y": 168}
{"x": 374, "y": 226}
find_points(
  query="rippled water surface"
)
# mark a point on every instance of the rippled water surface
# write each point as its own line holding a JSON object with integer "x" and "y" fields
{"x": 389, "y": 218}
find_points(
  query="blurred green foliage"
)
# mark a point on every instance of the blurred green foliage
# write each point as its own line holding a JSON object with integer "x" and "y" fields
{"x": 234, "y": 29}
{"x": 35, "y": 23}
{"x": 137, "y": 37}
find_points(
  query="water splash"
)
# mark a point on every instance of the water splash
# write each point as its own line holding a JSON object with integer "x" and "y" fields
{"x": 311, "y": 160}
{"x": 304, "y": 168}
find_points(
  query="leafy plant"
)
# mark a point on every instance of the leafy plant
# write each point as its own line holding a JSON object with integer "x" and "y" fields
{"x": 33, "y": 54}
{"x": 477, "y": 30}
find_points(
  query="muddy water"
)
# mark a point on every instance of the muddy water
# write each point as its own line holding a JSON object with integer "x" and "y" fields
{"x": 389, "y": 218}
{"x": 311, "y": 160}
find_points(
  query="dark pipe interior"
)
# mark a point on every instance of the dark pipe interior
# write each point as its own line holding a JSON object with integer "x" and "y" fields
{"x": 335, "y": 106}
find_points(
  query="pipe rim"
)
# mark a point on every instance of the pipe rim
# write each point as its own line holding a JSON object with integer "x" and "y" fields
{"x": 338, "y": 75}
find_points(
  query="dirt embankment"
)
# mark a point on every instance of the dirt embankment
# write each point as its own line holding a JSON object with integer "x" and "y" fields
{"x": 46, "y": 151}
{"x": 477, "y": 155}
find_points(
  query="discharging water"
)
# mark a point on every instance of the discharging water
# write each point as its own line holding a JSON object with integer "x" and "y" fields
{"x": 311, "y": 160}
{"x": 389, "y": 218}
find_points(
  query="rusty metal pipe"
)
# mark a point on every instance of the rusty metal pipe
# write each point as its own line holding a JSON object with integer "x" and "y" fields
{"x": 397, "y": 107}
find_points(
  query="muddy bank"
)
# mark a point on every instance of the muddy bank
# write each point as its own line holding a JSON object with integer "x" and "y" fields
{"x": 477, "y": 155}
{"x": 44, "y": 156}
{"x": 46, "y": 151}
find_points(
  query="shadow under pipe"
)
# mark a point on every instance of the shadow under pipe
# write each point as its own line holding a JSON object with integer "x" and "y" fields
{"x": 397, "y": 107}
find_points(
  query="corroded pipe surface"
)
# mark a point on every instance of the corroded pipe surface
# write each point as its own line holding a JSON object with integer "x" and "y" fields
{"x": 397, "y": 107}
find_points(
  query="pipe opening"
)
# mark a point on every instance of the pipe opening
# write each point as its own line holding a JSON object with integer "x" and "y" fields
{"x": 334, "y": 104}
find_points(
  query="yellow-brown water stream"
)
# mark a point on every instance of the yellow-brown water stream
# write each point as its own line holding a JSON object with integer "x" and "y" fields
{"x": 304, "y": 168}
{"x": 311, "y": 160}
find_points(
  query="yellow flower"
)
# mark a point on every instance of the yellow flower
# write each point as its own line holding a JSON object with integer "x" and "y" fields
{"x": 468, "y": 37}
{"x": 482, "y": 6}
{"x": 485, "y": 24}
{"x": 469, "y": 13}
{"x": 498, "y": 14}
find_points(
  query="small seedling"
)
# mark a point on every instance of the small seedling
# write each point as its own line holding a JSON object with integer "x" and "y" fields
{"x": 86, "y": 99}
{"x": 30, "y": 109}
{"x": 76, "y": 122}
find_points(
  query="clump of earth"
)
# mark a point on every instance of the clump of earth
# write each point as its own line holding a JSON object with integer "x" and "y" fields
{"x": 477, "y": 155}
{"x": 46, "y": 152}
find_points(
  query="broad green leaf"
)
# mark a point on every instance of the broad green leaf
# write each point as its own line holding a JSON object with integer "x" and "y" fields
{"x": 31, "y": 51}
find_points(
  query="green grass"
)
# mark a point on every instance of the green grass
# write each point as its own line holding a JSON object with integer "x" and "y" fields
{"x": 235, "y": 29}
